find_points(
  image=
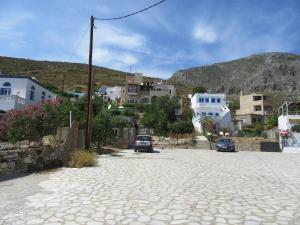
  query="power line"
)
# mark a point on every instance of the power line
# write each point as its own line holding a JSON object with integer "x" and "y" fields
{"x": 79, "y": 42}
{"x": 131, "y": 14}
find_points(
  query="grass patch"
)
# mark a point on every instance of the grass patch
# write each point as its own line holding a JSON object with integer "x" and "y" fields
{"x": 81, "y": 158}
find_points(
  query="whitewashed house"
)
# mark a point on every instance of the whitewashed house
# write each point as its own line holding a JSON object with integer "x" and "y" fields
{"x": 210, "y": 105}
{"x": 110, "y": 93}
{"x": 289, "y": 116}
{"x": 18, "y": 91}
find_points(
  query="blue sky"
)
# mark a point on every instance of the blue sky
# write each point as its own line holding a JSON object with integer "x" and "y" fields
{"x": 176, "y": 35}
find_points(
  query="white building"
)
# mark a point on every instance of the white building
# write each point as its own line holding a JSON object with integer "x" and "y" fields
{"x": 210, "y": 105}
{"x": 110, "y": 93}
{"x": 289, "y": 116}
{"x": 18, "y": 91}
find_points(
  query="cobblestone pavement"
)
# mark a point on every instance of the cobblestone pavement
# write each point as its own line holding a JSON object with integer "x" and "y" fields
{"x": 170, "y": 187}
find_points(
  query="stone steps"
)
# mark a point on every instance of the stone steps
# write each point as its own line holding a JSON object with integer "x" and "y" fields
{"x": 201, "y": 142}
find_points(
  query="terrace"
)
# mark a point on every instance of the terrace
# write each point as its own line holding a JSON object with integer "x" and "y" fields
{"x": 8, "y": 102}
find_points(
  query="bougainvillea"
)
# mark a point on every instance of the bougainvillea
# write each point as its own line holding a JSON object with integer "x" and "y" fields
{"x": 285, "y": 133}
{"x": 31, "y": 122}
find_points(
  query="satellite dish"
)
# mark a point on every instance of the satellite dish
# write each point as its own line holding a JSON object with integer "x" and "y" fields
{"x": 109, "y": 107}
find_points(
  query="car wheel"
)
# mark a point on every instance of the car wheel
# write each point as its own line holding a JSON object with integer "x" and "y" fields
{"x": 135, "y": 150}
{"x": 150, "y": 150}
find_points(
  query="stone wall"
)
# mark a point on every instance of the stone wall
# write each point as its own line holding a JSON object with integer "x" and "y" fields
{"x": 50, "y": 152}
{"x": 29, "y": 156}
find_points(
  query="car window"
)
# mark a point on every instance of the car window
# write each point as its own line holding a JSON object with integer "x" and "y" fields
{"x": 143, "y": 138}
{"x": 225, "y": 141}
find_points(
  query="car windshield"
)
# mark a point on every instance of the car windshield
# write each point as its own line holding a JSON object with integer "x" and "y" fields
{"x": 225, "y": 141}
{"x": 143, "y": 138}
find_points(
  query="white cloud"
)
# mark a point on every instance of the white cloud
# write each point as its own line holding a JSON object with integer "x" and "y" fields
{"x": 205, "y": 33}
{"x": 113, "y": 36}
{"x": 113, "y": 47}
{"x": 111, "y": 57}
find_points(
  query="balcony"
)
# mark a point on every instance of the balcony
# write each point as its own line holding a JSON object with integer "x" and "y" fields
{"x": 8, "y": 102}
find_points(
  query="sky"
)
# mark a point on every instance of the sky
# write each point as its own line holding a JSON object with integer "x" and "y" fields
{"x": 177, "y": 34}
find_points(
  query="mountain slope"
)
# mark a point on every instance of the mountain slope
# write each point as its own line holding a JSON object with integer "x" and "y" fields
{"x": 53, "y": 73}
{"x": 276, "y": 73}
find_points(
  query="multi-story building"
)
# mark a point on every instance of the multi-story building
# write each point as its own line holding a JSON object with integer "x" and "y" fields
{"x": 289, "y": 116}
{"x": 18, "y": 91}
{"x": 253, "y": 108}
{"x": 138, "y": 92}
{"x": 210, "y": 105}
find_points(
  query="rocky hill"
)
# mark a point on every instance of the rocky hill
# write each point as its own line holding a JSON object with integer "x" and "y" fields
{"x": 58, "y": 74}
{"x": 275, "y": 73}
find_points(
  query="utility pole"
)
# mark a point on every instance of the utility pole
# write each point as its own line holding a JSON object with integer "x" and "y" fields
{"x": 88, "y": 131}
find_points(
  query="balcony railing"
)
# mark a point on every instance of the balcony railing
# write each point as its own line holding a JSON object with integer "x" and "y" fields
{"x": 8, "y": 102}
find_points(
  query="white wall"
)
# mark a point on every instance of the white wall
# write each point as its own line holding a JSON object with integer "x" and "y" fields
{"x": 284, "y": 121}
{"x": 222, "y": 120}
{"x": 195, "y": 101}
{"x": 21, "y": 87}
{"x": 114, "y": 93}
{"x": 18, "y": 86}
{"x": 38, "y": 93}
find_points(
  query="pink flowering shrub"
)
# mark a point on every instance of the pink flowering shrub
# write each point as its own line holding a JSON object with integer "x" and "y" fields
{"x": 285, "y": 133}
{"x": 30, "y": 123}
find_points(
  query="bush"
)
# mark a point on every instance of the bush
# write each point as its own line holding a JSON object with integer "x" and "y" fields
{"x": 81, "y": 158}
{"x": 296, "y": 128}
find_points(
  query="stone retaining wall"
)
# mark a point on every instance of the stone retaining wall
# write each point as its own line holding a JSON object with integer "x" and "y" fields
{"x": 48, "y": 153}
{"x": 25, "y": 157}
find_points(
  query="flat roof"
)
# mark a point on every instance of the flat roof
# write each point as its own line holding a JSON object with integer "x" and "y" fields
{"x": 24, "y": 77}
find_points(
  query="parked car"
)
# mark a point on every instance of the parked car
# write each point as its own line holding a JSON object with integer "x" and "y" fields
{"x": 143, "y": 142}
{"x": 225, "y": 144}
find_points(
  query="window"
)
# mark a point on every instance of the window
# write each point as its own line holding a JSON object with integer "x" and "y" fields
{"x": 131, "y": 100}
{"x": 201, "y": 100}
{"x": 49, "y": 96}
{"x": 143, "y": 138}
{"x": 218, "y": 100}
{"x": 211, "y": 114}
{"x": 257, "y": 108}
{"x": 6, "y": 88}
{"x": 217, "y": 114}
{"x": 32, "y": 90}
{"x": 170, "y": 91}
{"x": 43, "y": 96}
{"x": 203, "y": 114}
{"x": 207, "y": 100}
{"x": 213, "y": 100}
{"x": 257, "y": 98}
{"x": 158, "y": 89}
{"x": 254, "y": 120}
{"x": 132, "y": 89}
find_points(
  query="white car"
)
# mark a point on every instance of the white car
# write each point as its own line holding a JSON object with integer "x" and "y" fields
{"x": 143, "y": 142}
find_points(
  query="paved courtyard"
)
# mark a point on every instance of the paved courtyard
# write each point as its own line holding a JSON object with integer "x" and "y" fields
{"x": 167, "y": 187}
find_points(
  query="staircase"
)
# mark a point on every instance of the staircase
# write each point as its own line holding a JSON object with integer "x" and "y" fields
{"x": 202, "y": 143}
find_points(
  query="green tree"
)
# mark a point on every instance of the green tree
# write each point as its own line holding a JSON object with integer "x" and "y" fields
{"x": 160, "y": 114}
{"x": 208, "y": 125}
{"x": 119, "y": 121}
{"x": 161, "y": 127}
{"x": 102, "y": 129}
{"x": 272, "y": 121}
{"x": 21, "y": 129}
{"x": 181, "y": 127}
{"x": 199, "y": 89}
